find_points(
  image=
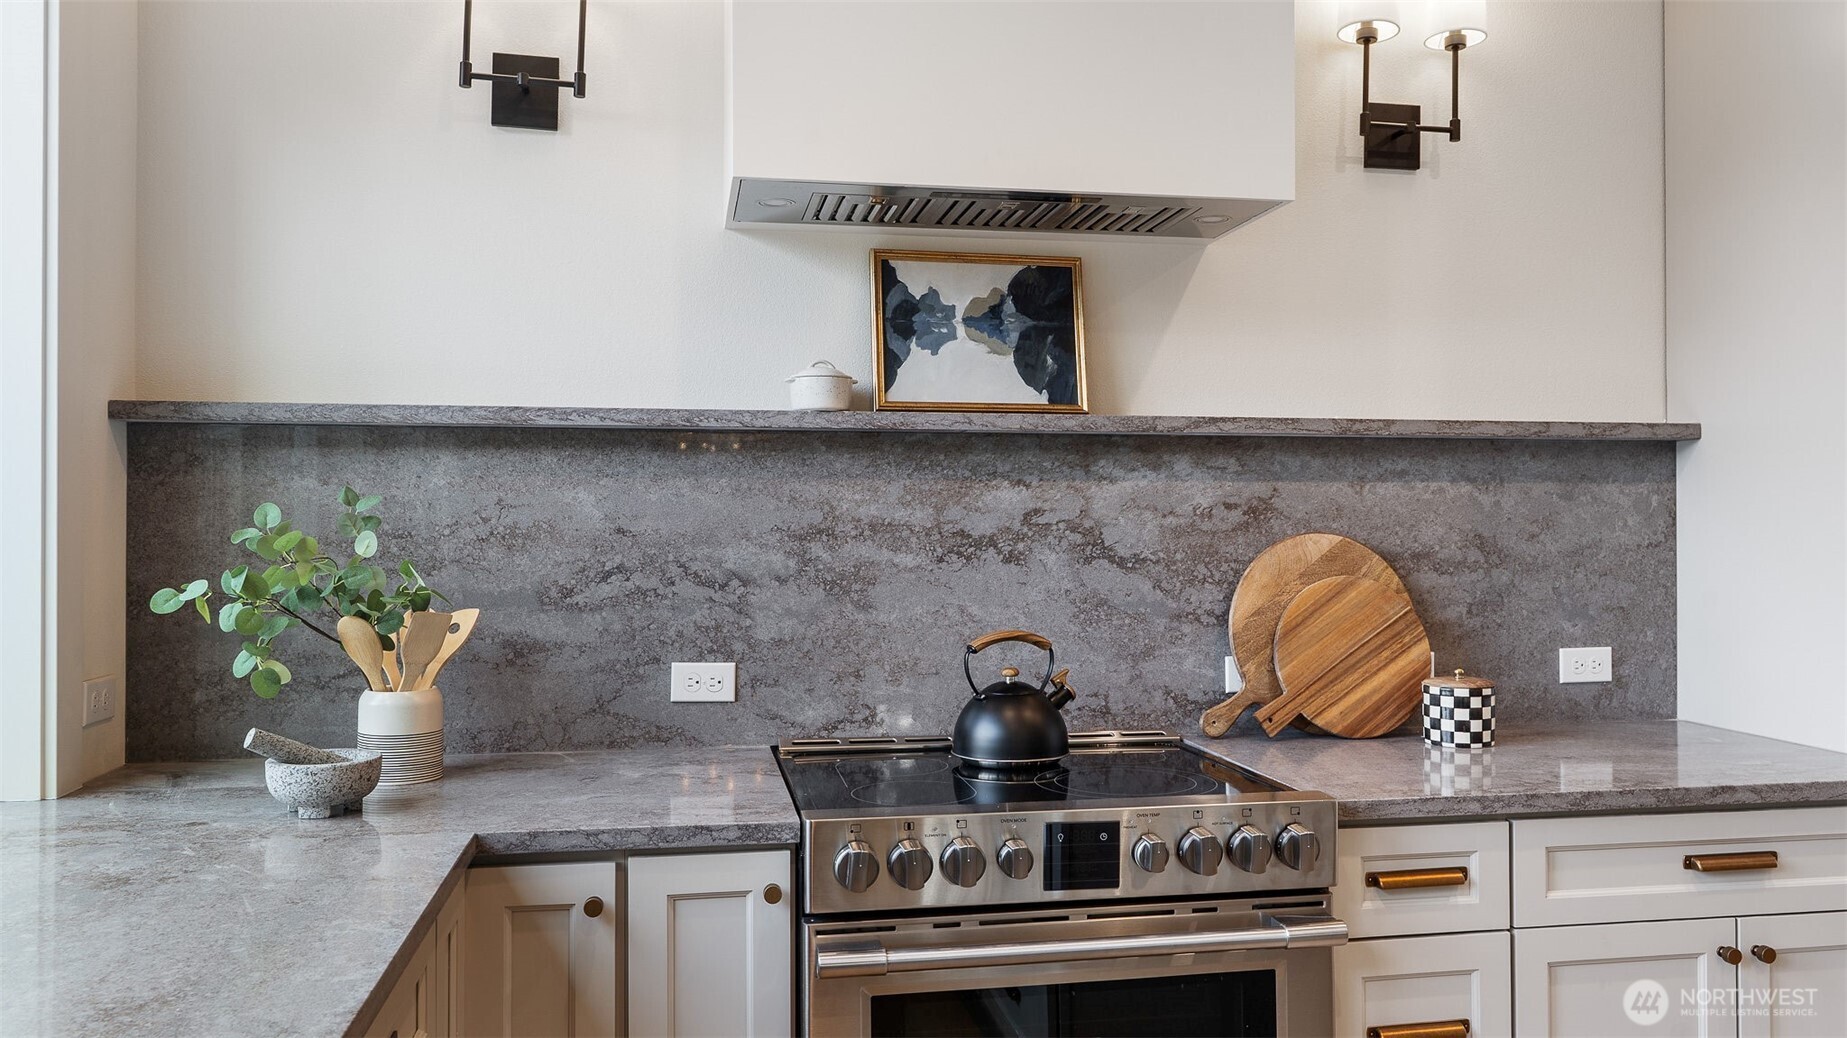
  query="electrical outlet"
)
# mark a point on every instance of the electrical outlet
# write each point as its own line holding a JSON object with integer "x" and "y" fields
{"x": 704, "y": 683}
{"x": 1584, "y": 664}
{"x": 98, "y": 701}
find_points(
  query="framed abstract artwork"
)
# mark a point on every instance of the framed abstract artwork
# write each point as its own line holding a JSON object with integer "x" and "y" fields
{"x": 967, "y": 332}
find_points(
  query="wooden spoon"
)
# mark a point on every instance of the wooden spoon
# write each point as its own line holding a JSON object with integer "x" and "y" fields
{"x": 421, "y": 645}
{"x": 361, "y": 643}
{"x": 461, "y": 625}
{"x": 394, "y": 677}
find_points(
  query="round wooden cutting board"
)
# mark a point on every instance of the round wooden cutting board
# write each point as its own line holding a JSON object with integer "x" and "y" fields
{"x": 1351, "y": 654}
{"x": 1273, "y": 579}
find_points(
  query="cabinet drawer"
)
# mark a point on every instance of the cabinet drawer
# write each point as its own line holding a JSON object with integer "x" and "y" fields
{"x": 1373, "y": 867}
{"x": 1401, "y": 981}
{"x": 1593, "y": 870}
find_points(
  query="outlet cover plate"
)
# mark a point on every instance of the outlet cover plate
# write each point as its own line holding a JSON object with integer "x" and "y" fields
{"x": 1584, "y": 664}
{"x": 98, "y": 701}
{"x": 704, "y": 683}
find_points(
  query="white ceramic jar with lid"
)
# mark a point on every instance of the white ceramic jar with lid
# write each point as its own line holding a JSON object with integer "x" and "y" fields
{"x": 820, "y": 387}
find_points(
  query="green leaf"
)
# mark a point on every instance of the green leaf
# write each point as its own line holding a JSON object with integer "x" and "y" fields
{"x": 166, "y": 600}
{"x": 275, "y": 625}
{"x": 410, "y": 573}
{"x": 369, "y": 522}
{"x": 232, "y": 581}
{"x": 288, "y": 541}
{"x": 243, "y": 665}
{"x": 227, "y": 616}
{"x": 281, "y": 578}
{"x": 390, "y": 622}
{"x": 307, "y": 598}
{"x": 254, "y": 587}
{"x": 427, "y": 592}
{"x": 348, "y": 497}
{"x": 304, "y": 572}
{"x": 267, "y": 515}
{"x": 266, "y": 548}
{"x": 205, "y": 611}
{"x": 246, "y": 534}
{"x": 195, "y": 589}
{"x": 368, "y": 502}
{"x": 247, "y": 622}
{"x": 347, "y": 525}
{"x": 261, "y": 652}
{"x": 375, "y": 601}
{"x": 366, "y": 544}
{"x": 265, "y": 682}
{"x": 310, "y": 547}
{"x": 420, "y": 600}
{"x": 281, "y": 671}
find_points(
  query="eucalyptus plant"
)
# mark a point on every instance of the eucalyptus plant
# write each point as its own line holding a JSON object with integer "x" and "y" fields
{"x": 299, "y": 582}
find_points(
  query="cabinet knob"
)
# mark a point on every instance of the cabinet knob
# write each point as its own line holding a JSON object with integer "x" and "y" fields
{"x": 1764, "y": 953}
{"x": 1730, "y": 955}
{"x": 593, "y": 907}
{"x": 772, "y": 894}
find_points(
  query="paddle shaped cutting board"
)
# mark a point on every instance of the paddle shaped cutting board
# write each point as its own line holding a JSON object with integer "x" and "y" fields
{"x": 1351, "y": 654}
{"x": 1269, "y": 584}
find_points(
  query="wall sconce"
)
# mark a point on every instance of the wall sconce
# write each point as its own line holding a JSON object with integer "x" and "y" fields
{"x": 1394, "y": 133}
{"x": 525, "y": 87}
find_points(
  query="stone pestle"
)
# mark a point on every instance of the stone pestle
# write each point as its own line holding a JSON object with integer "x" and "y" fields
{"x": 284, "y": 750}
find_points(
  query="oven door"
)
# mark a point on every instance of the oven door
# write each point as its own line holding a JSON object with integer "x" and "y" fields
{"x": 1166, "y": 970}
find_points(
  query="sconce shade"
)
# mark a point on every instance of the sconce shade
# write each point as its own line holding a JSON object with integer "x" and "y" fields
{"x": 1443, "y": 18}
{"x": 1385, "y": 16}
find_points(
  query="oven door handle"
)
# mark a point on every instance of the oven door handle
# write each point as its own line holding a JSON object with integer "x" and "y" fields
{"x": 859, "y": 956}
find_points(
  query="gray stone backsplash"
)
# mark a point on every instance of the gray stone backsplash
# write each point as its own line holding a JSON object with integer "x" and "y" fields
{"x": 843, "y": 571}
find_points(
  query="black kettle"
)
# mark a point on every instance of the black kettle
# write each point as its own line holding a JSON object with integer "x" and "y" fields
{"x": 1011, "y": 724}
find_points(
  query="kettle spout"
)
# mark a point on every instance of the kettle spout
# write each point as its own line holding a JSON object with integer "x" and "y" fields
{"x": 1060, "y": 693}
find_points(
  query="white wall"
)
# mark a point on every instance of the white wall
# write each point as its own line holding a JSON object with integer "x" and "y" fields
{"x": 95, "y": 297}
{"x": 1757, "y": 351}
{"x": 326, "y": 216}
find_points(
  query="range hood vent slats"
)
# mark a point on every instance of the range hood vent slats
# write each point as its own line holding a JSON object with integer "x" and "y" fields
{"x": 924, "y": 209}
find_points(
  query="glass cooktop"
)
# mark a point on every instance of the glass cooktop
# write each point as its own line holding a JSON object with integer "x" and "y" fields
{"x": 927, "y": 778}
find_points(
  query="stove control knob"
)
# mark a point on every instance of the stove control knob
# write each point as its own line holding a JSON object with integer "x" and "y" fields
{"x": 963, "y": 862}
{"x": 1200, "y": 851}
{"x": 1014, "y": 858}
{"x": 1150, "y": 853}
{"x": 1299, "y": 848}
{"x": 1250, "y": 848}
{"x": 909, "y": 863}
{"x": 855, "y": 866}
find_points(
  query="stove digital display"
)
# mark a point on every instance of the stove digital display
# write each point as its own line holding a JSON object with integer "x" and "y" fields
{"x": 1083, "y": 855}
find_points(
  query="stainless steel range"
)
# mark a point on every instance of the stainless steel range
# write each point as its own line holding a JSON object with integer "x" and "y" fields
{"x": 1136, "y": 887}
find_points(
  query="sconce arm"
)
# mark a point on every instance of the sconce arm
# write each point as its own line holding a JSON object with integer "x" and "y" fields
{"x": 468, "y": 76}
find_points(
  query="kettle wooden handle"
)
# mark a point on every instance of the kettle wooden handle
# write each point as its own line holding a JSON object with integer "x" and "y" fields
{"x": 992, "y": 638}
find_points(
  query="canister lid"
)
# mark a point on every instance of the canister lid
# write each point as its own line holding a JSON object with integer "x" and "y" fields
{"x": 1458, "y": 680}
{"x": 822, "y": 369}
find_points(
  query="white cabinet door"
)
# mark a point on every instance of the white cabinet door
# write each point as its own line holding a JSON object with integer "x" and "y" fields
{"x": 1802, "y": 991}
{"x": 406, "y": 1012}
{"x": 446, "y": 991}
{"x": 709, "y": 946}
{"x": 1367, "y": 859}
{"x": 1402, "y": 981}
{"x": 1644, "y": 979}
{"x": 541, "y": 953}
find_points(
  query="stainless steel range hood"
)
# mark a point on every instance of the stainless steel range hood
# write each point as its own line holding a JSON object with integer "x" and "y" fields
{"x": 1051, "y": 118}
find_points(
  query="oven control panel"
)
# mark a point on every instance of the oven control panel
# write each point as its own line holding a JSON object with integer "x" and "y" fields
{"x": 1272, "y": 842}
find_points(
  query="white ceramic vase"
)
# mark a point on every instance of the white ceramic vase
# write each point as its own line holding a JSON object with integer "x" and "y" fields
{"x": 407, "y": 728}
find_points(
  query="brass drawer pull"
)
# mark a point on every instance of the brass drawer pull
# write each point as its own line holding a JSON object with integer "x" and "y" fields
{"x": 772, "y": 894}
{"x": 1742, "y": 862}
{"x": 1765, "y": 954}
{"x": 1730, "y": 955}
{"x": 1411, "y": 879}
{"x": 593, "y": 906}
{"x": 1431, "y": 1029}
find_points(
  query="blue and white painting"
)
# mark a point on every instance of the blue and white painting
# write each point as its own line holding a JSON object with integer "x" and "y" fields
{"x": 959, "y": 333}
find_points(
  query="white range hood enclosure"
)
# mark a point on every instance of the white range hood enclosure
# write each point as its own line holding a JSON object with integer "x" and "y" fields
{"x": 1128, "y": 118}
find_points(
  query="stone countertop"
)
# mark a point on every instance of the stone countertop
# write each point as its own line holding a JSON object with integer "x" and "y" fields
{"x": 180, "y": 899}
{"x": 1593, "y": 767}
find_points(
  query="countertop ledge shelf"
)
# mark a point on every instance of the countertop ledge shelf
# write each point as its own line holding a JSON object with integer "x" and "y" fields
{"x": 693, "y": 420}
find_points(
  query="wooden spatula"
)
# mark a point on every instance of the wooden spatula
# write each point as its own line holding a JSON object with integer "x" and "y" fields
{"x": 361, "y": 643}
{"x": 461, "y": 625}
{"x": 421, "y": 645}
{"x": 394, "y": 676}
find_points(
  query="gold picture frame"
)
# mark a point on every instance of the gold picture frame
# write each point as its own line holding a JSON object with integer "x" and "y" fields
{"x": 971, "y": 362}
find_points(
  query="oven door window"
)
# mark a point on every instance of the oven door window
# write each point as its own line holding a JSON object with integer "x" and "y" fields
{"x": 1226, "y": 1005}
